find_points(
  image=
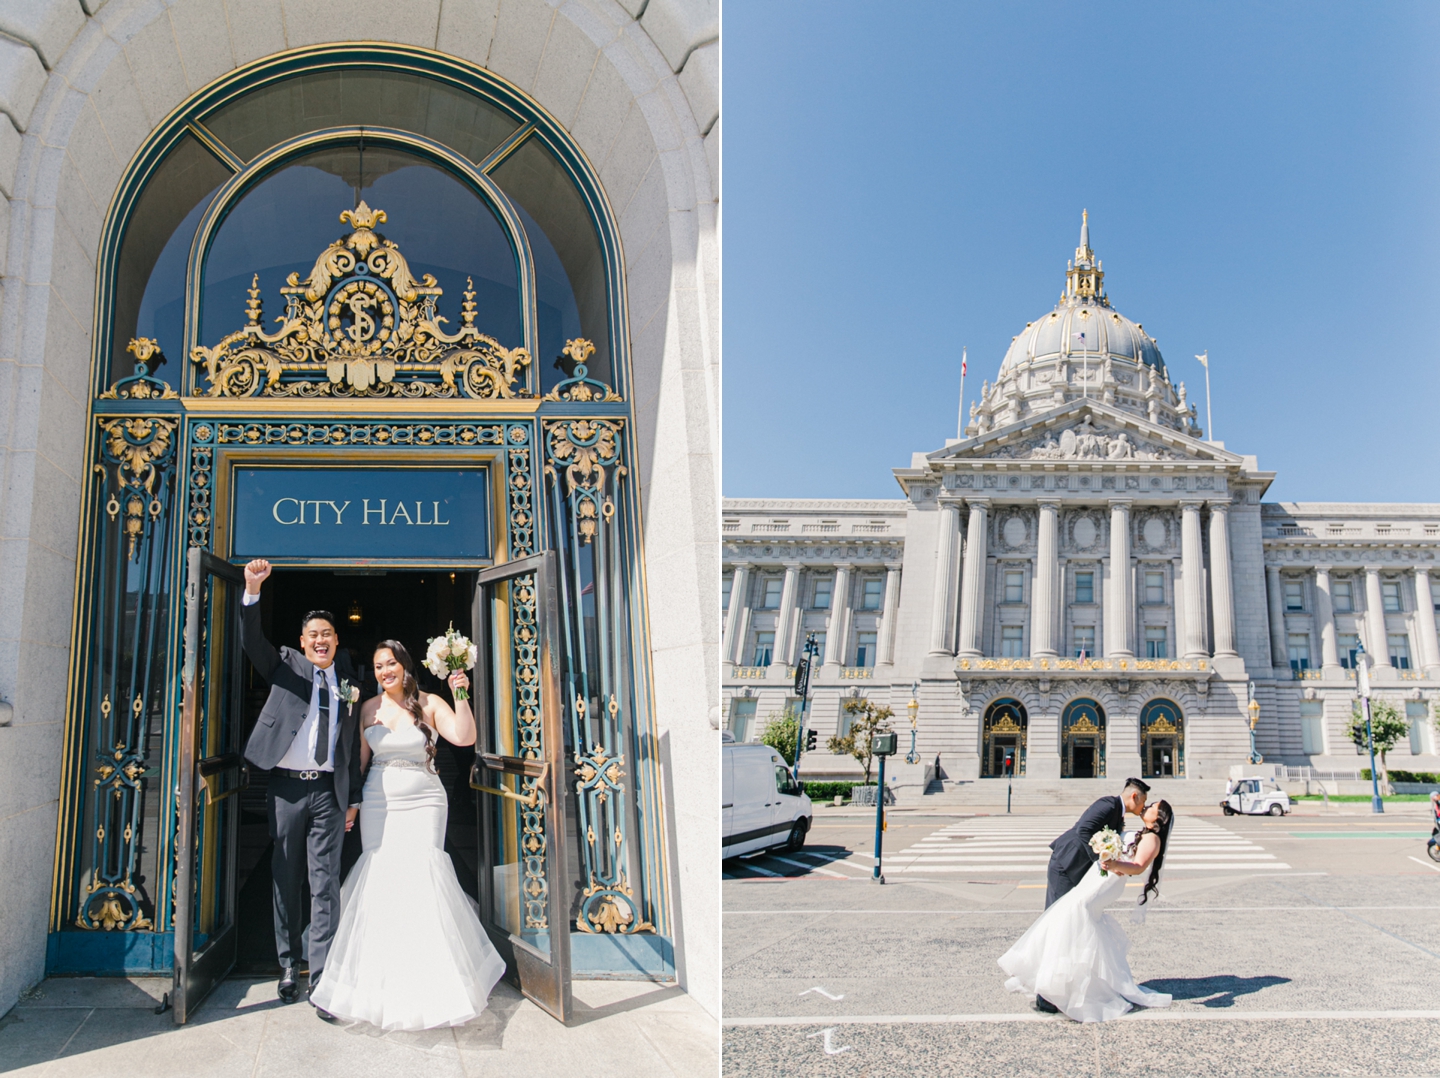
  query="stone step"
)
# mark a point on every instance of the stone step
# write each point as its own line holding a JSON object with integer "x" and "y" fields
{"x": 1061, "y": 792}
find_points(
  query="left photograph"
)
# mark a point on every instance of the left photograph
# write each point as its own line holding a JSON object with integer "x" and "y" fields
{"x": 359, "y": 672}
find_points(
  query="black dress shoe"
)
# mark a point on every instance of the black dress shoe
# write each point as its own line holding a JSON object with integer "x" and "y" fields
{"x": 1044, "y": 1006}
{"x": 288, "y": 990}
{"x": 326, "y": 1016}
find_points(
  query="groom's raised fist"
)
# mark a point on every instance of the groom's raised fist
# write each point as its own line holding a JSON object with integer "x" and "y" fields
{"x": 255, "y": 574}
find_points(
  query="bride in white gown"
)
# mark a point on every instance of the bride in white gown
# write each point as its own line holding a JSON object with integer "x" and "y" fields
{"x": 409, "y": 952}
{"x": 1074, "y": 954}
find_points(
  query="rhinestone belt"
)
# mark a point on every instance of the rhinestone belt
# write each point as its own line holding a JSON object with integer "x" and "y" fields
{"x": 400, "y": 763}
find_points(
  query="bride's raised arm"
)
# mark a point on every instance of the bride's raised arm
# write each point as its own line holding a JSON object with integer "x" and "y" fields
{"x": 457, "y": 725}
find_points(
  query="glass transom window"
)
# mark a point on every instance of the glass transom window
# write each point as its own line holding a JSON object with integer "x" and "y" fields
{"x": 1014, "y": 586}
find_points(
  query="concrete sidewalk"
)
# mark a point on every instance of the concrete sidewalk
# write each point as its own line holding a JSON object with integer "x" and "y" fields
{"x": 74, "y": 1027}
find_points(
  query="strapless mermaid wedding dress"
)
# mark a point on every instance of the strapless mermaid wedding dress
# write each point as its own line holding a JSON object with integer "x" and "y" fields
{"x": 1074, "y": 955}
{"x": 409, "y": 952}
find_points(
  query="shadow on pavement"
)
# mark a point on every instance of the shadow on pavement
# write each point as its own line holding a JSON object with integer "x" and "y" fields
{"x": 1225, "y": 988}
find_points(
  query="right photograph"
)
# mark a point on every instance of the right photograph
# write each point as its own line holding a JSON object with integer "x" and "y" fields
{"x": 1080, "y": 700}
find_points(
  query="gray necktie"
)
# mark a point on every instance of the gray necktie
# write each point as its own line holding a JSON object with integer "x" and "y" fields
{"x": 322, "y": 732}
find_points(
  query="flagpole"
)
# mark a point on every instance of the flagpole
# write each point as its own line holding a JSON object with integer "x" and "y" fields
{"x": 1209, "y": 417}
{"x": 960, "y": 425}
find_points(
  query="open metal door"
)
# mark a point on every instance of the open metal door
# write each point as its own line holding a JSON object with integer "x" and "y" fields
{"x": 211, "y": 772}
{"x": 520, "y": 766}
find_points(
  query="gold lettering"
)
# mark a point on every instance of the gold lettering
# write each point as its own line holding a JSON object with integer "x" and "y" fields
{"x": 338, "y": 510}
{"x": 437, "y": 519}
{"x": 275, "y": 511}
{"x": 379, "y": 512}
{"x": 400, "y": 508}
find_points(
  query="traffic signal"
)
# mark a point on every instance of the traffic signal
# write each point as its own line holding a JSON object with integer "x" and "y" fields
{"x": 811, "y": 737}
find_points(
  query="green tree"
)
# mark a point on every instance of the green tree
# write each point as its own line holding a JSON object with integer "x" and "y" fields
{"x": 866, "y": 720}
{"x": 1387, "y": 725}
{"x": 782, "y": 731}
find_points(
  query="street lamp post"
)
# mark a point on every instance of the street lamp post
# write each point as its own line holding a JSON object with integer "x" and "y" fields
{"x": 1362, "y": 677}
{"x": 802, "y": 690}
{"x": 913, "y": 707}
{"x": 1255, "y": 757}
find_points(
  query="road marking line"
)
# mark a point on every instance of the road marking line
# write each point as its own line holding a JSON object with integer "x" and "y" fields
{"x": 1031, "y": 912}
{"x": 807, "y": 866}
{"x": 830, "y": 1050}
{"x": 824, "y": 993}
{"x": 1425, "y": 863}
{"x": 1146, "y": 1015}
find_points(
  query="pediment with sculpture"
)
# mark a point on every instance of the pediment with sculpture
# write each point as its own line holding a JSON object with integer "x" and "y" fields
{"x": 361, "y": 324}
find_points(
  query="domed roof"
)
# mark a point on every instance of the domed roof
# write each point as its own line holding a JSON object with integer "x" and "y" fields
{"x": 1083, "y": 325}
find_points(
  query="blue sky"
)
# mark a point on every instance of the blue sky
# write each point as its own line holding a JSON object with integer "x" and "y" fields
{"x": 1263, "y": 181}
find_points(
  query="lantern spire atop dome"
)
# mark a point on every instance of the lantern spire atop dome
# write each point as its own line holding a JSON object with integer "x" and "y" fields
{"x": 1084, "y": 279}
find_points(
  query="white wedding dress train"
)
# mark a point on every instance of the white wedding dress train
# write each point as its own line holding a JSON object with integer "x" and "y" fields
{"x": 1074, "y": 955}
{"x": 409, "y": 952}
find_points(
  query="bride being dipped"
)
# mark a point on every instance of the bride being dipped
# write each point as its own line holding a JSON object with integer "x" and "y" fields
{"x": 1074, "y": 955}
{"x": 409, "y": 952}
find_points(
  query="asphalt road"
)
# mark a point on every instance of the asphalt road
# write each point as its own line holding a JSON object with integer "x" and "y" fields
{"x": 1308, "y": 945}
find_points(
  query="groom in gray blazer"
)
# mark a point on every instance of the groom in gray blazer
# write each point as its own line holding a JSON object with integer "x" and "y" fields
{"x": 308, "y": 738}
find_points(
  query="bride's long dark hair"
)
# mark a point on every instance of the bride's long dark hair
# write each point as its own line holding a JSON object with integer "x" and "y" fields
{"x": 410, "y": 694}
{"x": 1163, "y": 818}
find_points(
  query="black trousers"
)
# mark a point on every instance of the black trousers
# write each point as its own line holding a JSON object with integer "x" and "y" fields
{"x": 1058, "y": 884}
{"x": 308, "y": 827}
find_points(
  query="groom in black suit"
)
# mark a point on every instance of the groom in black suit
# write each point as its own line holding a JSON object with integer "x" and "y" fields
{"x": 308, "y": 738}
{"x": 1071, "y": 855}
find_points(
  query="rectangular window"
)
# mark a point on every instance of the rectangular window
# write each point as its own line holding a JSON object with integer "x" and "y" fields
{"x": 872, "y": 593}
{"x": 1349, "y": 644}
{"x": 1399, "y": 650}
{"x": 1294, "y": 595}
{"x": 823, "y": 590}
{"x": 1435, "y": 594}
{"x": 1012, "y": 641}
{"x": 1084, "y": 640}
{"x": 1417, "y": 713}
{"x": 764, "y": 649}
{"x": 1154, "y": 588}
{"x": 1390, "y": 596}
{"x": 725, "y": 586}
{"x": 1084, "y": 587}
{"x": 742, "y": 717}
{"x": 1014, "y": 586}
{"x": 1155, "y": 642}
{"x": 1342, "y": 596}
{"x": 1312, "y": 727}
{"x": 770, "y": 591}
{"x": 1299, "y": 644}
{"x": 864, "y": 649}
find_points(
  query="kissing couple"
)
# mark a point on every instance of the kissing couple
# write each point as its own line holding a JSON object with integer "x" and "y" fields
{"x": 1072, "y": 959}
{"x": 401, "y": 947}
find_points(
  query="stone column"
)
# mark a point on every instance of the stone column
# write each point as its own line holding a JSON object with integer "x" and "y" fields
{"x": 839, "y": 618}
{"x": 1378, "y": 645}
{"x": 1118, "y": 612}
{"x": 1325, "y": 615}
{"x": 739, "y": 601}
{"x": 1425, "y": 615}
{"x": 784, "y": 623}
{"x": 942, "y": 614}
{"x": 1192, "y": 568}
{"x": 892, "y": 610}
{"x": 1042, "y": 607}
{"x": 1275, "y": 590}
{"x": 972, "y": 584}
{"x": 1222, "y": 595}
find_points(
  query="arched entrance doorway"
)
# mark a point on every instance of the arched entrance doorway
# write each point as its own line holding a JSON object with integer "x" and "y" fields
{"x": 1162, "y": 738}
{"x": 1006, "y": 724}
{"x": 1082, "y": 740}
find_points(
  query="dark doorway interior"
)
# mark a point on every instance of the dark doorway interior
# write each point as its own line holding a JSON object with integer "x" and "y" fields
{"x": 1084, "y": 767}
{"x": 369, "y": 606}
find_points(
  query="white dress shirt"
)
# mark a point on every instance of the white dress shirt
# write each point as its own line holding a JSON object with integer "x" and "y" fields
{"x": 300, "y": 756}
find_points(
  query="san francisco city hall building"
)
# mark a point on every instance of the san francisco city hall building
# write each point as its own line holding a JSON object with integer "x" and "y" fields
{"x": 1086, "y": 581}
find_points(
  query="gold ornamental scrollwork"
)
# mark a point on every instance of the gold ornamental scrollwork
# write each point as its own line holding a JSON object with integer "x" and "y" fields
{"x": 136, "y": 447}
{"x": 583, "y": 449}
{"x": 361, "y": 325}
{"x": 580, "y": 387}
{"x": 141, "y": 385}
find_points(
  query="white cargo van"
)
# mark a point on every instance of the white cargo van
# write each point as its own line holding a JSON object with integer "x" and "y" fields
{"x": 761, "y": 804}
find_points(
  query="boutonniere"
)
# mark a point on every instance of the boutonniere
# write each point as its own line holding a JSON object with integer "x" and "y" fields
{"x": 349, "y": 693}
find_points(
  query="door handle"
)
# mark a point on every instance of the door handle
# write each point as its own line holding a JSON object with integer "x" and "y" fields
{"x": 531, "y": 800}
{"x": 211, "y": 770}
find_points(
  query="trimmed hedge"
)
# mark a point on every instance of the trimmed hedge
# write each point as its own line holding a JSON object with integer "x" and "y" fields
{"x": 826, "y": 791}
{"x": 1405, "y": 776}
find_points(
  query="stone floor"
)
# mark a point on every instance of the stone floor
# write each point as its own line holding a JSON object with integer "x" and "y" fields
{"x": 74, "y": 1027}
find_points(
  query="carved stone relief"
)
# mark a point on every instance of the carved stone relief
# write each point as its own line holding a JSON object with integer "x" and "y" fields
{"x": 1085, "y": 441}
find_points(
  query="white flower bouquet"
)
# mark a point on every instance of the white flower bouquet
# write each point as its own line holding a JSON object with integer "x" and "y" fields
{"x": 1107, "y": 844}
{"x": 449, "y": 653}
